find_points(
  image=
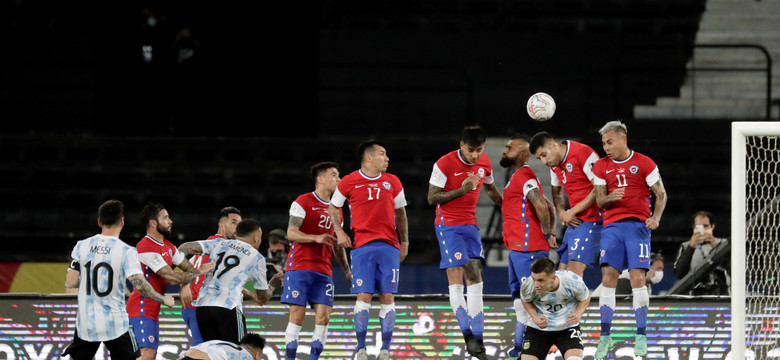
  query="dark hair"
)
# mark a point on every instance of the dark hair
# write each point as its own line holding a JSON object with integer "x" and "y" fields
{"x": 226, "y": 211}
{"x": 255, "y": 341}
{"x": 543, "y": 265}
{"x": 656, "y": 257}
{"x": 706, "y": 214}
{"x": 473, "y": 135}
{"x": 111, "y": 212}
{"x": 320, "y": 168}
{"x": 538, "y": 140}
{"x": 365, "y": 146}
{"x": 246, "y": 227}
{"x": 150, "y": 211}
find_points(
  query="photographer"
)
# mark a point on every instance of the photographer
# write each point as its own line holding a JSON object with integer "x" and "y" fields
{"x": 696, "y": 253}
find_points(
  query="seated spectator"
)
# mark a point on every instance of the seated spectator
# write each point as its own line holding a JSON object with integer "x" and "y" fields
{"x": 697, "y": 252}
{"x": 653, "y": 276}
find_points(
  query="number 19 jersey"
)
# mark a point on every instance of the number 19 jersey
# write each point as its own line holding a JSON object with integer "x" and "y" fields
{"x": 103, "y": 262}
{"x": 236, "y": 263}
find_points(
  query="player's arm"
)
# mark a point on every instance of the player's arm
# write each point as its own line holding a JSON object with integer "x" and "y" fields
{"x": 660, "y": 204}
{"x": 341, "y": 258}
{"x": 568, "y": 217}
{"x": 335, "y": 217}
{"x": 436, "y": 193}
{"x": 543, "y": 210}
{"x": 402, "y": 227}
{"x": 191, "y": 248}
{"x": 575, "y": 316}
{"x": 295, "y": 234}
{"x": 146, "y": 289}
{"x": 540, "y": 321}
{"x": 494, "y": 194}
{"x": 604, "y": 200}
{"x": 72, "y": 276}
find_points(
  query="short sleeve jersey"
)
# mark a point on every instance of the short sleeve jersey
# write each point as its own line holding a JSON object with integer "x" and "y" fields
{"x": 197, "y": 261}
{"x": 104, "y": 263}
{"x": 637, "y": 173}
{"x": 154, "y": 255}
{"x": 575, "y": 175}
{"x": 559, "y": 304}
{"x": 448, "y": 173}
{"x": 372, "y": 204}
{"x": 221, "y": 350}
{"x": 522, "y": 230}
{"x": 236, "y": 262}
{"x": 311, "y": 256}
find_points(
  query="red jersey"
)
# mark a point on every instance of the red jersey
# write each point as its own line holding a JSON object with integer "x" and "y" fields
{"x": 311, "y": 256}
{"x": 196, "y": 261}
{"x": 372, "y": 204}
{"x": 575, "y": 175}
{"x": 522, "y": 230}
{"x": 448, "y": 173}
{"x": 153, "y": 255}
{"x": 637, "y": 173}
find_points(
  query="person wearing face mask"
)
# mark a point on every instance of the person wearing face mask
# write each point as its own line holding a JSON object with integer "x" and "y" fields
{"x": 278, "y": 246}
{"x": 698, "y": 252}
{"x": 654, "y": 275}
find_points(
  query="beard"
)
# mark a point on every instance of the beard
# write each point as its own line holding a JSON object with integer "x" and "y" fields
{"x": 506, "y": 162}
{"x": 163, "y": 230}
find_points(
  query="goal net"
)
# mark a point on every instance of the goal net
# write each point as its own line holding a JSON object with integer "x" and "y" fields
{"x": 755, "y": 235}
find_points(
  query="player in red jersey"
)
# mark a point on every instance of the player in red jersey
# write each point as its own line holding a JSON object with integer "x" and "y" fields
{"x": 308, "y": 269}
{"x": 377, "y": 207}
{"x": 158, "y": 257}
{"x": 228, "y": 218}
{"x": 625, "y": 181}
{"x": 571, "y": 170}
{"x": 529, "y": 221}
{"x": 456, "y": 180}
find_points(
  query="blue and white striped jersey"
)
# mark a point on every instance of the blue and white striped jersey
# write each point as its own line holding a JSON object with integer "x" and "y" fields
{"x": 220, "y": 350}
{"x": 236, "y": 263}
{"x": 103, "y": 262}
{"x": 557, "y": 305}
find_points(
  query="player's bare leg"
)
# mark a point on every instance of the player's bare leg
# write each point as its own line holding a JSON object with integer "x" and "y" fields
{"x": 609, "y": 280}
{"x": 576, "y": 267}
{"x": 297, "y": 313}
{"x": 320, "y": 336}
{"x": 148, "y": 353}
{"x": 387, "y": 322}
{"x": 474, "y": 285}
{"x": 362, "y": 306}
{"x": 641, "y": 300}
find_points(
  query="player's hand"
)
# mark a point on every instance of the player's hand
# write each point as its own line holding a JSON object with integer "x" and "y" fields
{"x": 277, "y": 281}
{"x": 404, "y": 250}
{"x": 343, "y": 239}
{"x": 616, "y": 195}
{"x": 652, "y": 223}
{"x": 204, "y": 268}
{"x": 552, "y": 241}
{"x": 348, "y": 276}
{"x": 573, "y": 318}
{"x": 568, "y": 218}
{"x": 168, "y": 301}
{"x": 185, "y": 295}
{"x": 253, "y": 298}
{"x": 470, "y": 183}
{"x": 541, "y": 322}
{"x": 331, "y": 240}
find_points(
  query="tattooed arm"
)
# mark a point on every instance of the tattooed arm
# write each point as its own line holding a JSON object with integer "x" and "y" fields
{"x": 148, "y": 291}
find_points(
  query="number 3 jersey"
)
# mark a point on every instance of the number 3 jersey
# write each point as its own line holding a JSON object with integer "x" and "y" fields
{"x": 636, "y": 173}
{"x": 556, "y": 305}
{"x": 104, "y": 263}
{"x": 311, "y": 256}
{"x": 236, "y": 263}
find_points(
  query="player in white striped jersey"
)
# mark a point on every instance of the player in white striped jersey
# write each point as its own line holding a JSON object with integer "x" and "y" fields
{"x": 218, "y": 307}
{"x": 106, "y": 262}
{"x": 555, "y": 300}
{"x": 249, "y": 348}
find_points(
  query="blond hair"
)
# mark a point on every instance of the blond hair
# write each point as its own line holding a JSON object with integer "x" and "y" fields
{"x": 616, "y": 125}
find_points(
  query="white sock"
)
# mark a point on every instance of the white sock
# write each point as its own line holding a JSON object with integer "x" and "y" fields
{"x": 292, "y": 333}
{"x": 385, "y": 308}
{"x": 360, "y": 306}
{"x": 640, "y": 297}
{"x": 474, "y": 299}
{"x": 457, "y": 299}
{"x": 320, "y": 333}
{"x": 607, "y": 297}
{"x": 574, "y": 358}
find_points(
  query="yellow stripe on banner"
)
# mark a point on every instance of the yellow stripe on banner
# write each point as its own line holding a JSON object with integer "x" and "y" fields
{"x": 43, "y": 278}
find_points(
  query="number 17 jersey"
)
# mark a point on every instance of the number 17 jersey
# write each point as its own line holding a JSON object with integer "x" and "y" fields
{"x": 236, "y": 263}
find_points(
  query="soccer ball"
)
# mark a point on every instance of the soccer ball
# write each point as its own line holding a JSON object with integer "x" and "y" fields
{"x": 540, "y": 106}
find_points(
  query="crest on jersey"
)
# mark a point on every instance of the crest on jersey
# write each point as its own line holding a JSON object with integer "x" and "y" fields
{"x": 170, "y": 253}
{"x": 481, "y": 172}
{"x": 526, "y": 345}
{"x": 603, "y": 252}
{"x": 295, "y": 294}
{"x": 151, "y": 338}
{"x": 359, "y": 282}
{"x": 633, "y": 169}
{"x": 386, "y": 185}
{"x": 569, "y": 167}
{"x": 458, "y": 255}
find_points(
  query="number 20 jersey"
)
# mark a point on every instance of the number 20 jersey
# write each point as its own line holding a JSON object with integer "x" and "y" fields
{"x": 236, "y": 263}
{"x": 311, "y": 256}
{"x": 103, "y": 262}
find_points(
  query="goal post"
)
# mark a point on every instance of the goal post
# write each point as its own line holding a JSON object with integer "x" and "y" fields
{"x": 755, "y": 169}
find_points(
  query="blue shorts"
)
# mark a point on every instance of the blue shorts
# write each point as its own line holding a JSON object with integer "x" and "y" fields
{"x": 626, "y": 245}
{"x": 376, "y": 267}
{"x": 581, "y": 244}
{"x": 188, "y": 314}
{"x": 458, "y": 244}
{"x": 146, "y": 331}
{"x": 520, "y": 268}
{"x": 307, "y": 286}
